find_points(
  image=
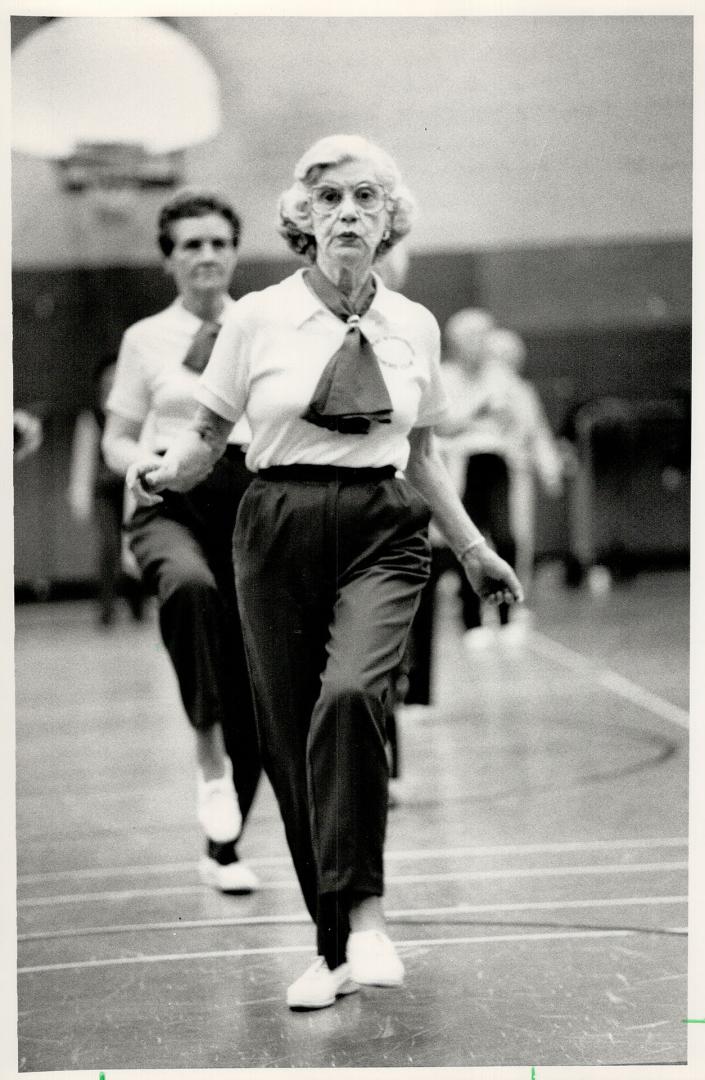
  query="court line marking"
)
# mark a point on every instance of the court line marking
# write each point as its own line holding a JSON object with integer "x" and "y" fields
{"x": 305, "y": 919}
{"x": 611, "y": 680}
{"x": 390, "y": 856}
{"x": 400, "y": 879}
{"x": 278, "y": 950}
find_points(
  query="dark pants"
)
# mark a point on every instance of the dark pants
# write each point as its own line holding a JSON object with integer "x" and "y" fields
{"x": 328, "y": 573}
{"x": 486, "y": 499}
{"x": 107, "y": 509}
{"x": 184, "y": 550}
{"x": 419, "y": 659}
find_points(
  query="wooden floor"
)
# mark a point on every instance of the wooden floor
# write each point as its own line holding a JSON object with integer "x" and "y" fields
{"x": 536, "y": 863}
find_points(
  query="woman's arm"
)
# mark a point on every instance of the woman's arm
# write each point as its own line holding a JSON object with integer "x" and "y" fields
{"x": 120, "y": 443}
{"x": 188, "y": 461}
{"x": 83, "y": 465}
{"x": 491, "y": 577}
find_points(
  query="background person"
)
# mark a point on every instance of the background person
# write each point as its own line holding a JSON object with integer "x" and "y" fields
{"x": 27, "y": 434}
{"x": 183, "y": 545}
{"x": 97, "y": 493}
{"x": 532, "y": 451}
{"x": 489, "y": 434}
{"x": 339, "y": 378}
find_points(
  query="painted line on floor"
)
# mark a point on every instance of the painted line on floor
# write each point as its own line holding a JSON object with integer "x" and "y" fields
{"x": 610, "y": 680}
{"x": 400, "y": 879}
{"x": 278, "y": 950}
{"x": 305, "y": 919}
{"x": 415, "y": 854}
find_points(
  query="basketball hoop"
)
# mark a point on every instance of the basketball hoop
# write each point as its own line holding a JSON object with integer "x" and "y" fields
{"x": 113, "y": 103}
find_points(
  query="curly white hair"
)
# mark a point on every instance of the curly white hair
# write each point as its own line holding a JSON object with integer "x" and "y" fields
{"x": 294, "y": 214}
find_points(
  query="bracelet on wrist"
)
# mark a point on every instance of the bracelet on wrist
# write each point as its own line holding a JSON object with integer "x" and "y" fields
{"x": 460, "y": 555}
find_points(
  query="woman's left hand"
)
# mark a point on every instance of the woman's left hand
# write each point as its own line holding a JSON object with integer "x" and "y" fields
{"x": 491, "y": 577}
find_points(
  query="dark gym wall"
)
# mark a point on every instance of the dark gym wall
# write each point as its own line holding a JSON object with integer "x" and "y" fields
{"x": 598, "y": 319}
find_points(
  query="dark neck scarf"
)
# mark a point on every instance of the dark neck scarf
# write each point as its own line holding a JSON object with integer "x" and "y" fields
{"x": 201, "y": 347}
{"x": 351, "y": 393}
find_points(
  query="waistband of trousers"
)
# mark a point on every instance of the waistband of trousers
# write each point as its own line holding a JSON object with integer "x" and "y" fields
{"x": 324, "y": 474}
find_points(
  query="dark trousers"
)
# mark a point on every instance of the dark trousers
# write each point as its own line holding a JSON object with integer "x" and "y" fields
{"x": 419, "y": 658}
{"x": 184, "y": 550}
{"x": 107, "y": 508}
{"x": 486, "y": 499}
{"x": 328, "y": 573}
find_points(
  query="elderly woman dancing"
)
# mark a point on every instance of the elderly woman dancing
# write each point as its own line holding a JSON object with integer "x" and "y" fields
{"x": 339, "y": 378}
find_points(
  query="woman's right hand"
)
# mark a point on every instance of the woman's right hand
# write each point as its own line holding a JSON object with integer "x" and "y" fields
{"x": 490, "y": 576}
{"x": 144, "y": 479}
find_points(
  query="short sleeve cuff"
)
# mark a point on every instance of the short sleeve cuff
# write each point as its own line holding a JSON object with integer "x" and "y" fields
{"x": 206, "y": 397}
{"x": 129, "y": 410}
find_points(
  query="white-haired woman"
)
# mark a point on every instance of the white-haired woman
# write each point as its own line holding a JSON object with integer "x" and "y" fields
{"x": 339, "y": 378}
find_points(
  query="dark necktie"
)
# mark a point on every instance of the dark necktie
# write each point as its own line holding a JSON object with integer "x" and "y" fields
{"x": 201, "y": 347}
{"x": 351, "y": 393}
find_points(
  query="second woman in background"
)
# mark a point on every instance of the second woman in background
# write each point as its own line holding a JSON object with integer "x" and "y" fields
{"x": 183, "y": 546}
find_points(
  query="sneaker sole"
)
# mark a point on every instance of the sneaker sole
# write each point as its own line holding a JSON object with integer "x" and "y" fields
{"x": 389, "y": 983}
{"x": 301, "y": 1006}
{"x": 209, "y": 876}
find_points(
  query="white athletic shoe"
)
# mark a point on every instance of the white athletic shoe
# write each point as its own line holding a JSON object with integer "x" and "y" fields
{"x": 218, "y": 809}
{"x": 514, "y": 633}
{"x": 318, "y": 987}
{"x": 373, "y": 959}
{"x": 479, "y": 638}
{"x": 233, "y": 877}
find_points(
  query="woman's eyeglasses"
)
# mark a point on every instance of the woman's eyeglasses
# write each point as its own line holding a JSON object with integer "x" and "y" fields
{"x": 327, "y": 198}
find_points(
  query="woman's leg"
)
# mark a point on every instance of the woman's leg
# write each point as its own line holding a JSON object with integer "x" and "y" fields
{"x": 198, "y": 636}
{"x": 499, "y": 521}
{"x": 285, "y": 605}
{"x": 328, "y": 579}
{"x": 347, "y": 739}
{"x": 476, "y": 498}
{"x": 108, "y": 515}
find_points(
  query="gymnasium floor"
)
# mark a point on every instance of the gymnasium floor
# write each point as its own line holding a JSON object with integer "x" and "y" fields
{"x": 536, "y": 858}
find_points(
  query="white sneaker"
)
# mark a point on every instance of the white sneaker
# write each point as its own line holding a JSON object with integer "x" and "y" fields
{"x": 514, "y": 633}
{"x": 234, "y": 877}
{"x": 373, "y": 959}
{"x": 521, "y": 616}
{"x": 318, "y": 987}
{"x": 218, "y": 809}
{"x": 480, "y": 637}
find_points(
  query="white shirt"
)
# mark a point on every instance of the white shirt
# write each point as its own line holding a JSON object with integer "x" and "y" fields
{"x": 501, "y": 414}
{"x": 151, "y": 384}
{"x": 272, "y": 350}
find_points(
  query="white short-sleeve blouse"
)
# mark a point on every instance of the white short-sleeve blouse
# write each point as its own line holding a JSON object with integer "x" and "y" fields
{"x": 272, "y": 350}
{"x": 152, "y": 386}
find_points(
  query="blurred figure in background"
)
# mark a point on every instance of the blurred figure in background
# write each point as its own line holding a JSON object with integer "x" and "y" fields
{"x": 498, "y": 441}
{"x": 469, "y": 327}
{"x": 96, "y": 493}
{"x": 533, "y": 452}
{"x": 479, "y": 423}
{"x": 27, "y": 434}
{"x": 183, "y": 546}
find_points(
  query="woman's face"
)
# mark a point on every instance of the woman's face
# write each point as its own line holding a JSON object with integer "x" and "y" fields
{"x": 349, "y": 215}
